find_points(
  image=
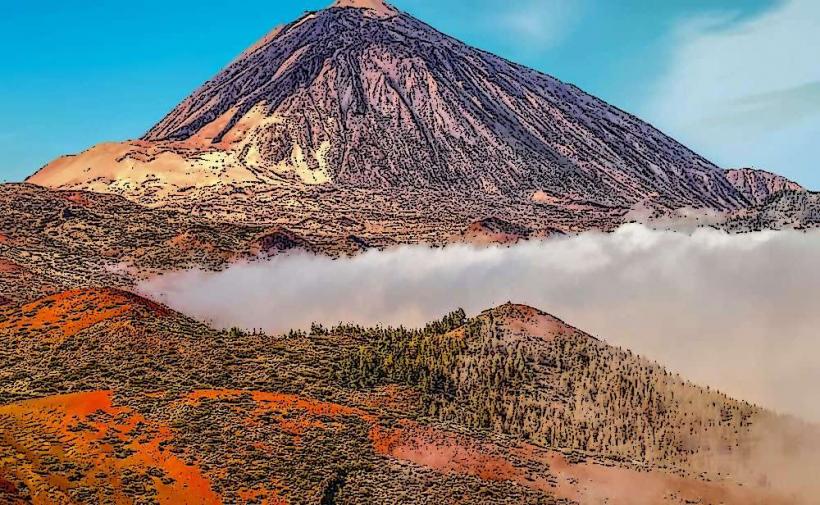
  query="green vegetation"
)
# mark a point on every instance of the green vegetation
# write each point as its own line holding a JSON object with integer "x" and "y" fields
{"x": 572, "y": 392}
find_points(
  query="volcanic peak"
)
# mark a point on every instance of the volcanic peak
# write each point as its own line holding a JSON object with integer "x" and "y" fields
{"x": 378, "y": 7}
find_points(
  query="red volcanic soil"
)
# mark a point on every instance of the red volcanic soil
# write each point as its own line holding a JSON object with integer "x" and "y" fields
{"x": 590, "y": 482}
{"x": 584, "y": 482}
{"x": 106, "y": 442}
{"x": 65, "y": 314}
{"x": 186, "y": 242}
{"x": 494, "y": 231}
{"x": 78, "y": 198}
{"x": 281, "y": 402}
{"x": 446, "y": 452}
{"x": 9, "y": 267}
{"x": 103, "y": 442}
{"x": 293, "y": 414}
{"x": 522, "y": 320}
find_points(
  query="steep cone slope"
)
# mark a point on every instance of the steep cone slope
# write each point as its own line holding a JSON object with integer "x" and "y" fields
{"x": 362, "y": 97}
{"x": 370, "y": 100}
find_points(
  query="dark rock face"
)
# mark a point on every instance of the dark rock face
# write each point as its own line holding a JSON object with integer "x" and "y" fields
{"x": 367, "y": 97}
{"x": 276, "y": 241}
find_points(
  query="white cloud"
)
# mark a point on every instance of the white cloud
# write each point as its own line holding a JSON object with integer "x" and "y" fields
{"x": 738, "y": 312}
{"x": 747, "y": 93}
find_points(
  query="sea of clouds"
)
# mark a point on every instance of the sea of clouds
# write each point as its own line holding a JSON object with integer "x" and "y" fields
{"x": 737, "y": 312}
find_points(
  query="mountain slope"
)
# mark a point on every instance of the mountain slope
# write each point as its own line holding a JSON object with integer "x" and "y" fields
{"x": 758, "y": 185}
{"x": 360, "y": 97}
{"x": 512, "y": 406}
{"x": 782, "y": 210}
{"x": 54, "y": 240}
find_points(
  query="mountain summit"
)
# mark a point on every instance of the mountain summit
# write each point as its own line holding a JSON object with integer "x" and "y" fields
{"x": 379, "y": 7}
{"x": 363, "y": 99}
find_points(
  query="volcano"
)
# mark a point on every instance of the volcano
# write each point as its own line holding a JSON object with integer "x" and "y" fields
{"x": 368, "y": 103}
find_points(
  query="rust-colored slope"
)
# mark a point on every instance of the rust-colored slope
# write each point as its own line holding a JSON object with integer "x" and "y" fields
{"x": 82, "y": 448}
{"x": 87, "y": 448}
{"x": 53, "y": 447}
{"x": 63, "y": 315}
{"x": 521, "y": 321}
{"x": 564, "y": 476}
{"x": 293, "y": 414}
{"x": 494, "y": 231}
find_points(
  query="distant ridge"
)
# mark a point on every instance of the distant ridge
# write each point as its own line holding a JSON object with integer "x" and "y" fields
{"x": 758, "y": 185}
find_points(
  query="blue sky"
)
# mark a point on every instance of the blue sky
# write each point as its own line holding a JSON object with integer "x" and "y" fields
{"x": 737, "y": 80}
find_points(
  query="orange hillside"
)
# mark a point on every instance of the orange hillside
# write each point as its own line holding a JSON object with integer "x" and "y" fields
{"x": 105, "y": 445}
{"x": 63, "y": 315}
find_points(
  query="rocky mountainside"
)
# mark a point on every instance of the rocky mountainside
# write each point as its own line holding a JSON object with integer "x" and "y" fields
{"x": 783, "y": 210}
{"x": 360, "y": 100}
{"x": 104, "y": 394}
{"x": 56, "y": 240}
{"x": 758, "y": 185}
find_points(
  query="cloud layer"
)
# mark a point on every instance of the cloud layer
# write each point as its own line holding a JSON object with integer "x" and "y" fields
{"x": 737, "y": 312}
